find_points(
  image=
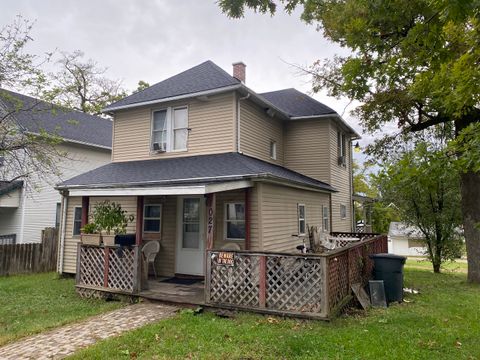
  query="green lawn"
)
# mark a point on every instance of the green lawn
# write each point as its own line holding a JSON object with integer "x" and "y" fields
{"x": 33, "y": 303}
{"x": 442, "y": 322}
{"x": 459, "y": 266}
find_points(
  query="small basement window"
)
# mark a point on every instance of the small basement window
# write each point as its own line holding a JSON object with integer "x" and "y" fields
{"x": 235, "y": 221}
{"x": 152, "y": 218}
{"x": 77, "y": 220}
{"x": 301, "y": 219}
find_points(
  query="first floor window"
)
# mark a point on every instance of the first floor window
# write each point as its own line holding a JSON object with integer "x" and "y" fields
{"x": 58, "y": 215}
{"x": 343, "y": 211}
{"x": 326, "y": 221}
{"x": 77, "y": 220}
{"x": 235, "y": 221}
{"x": 301, "y": 219}
{"x": 152, "y": 217}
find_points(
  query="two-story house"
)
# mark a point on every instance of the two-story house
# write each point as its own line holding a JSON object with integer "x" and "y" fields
{"x": 202, "y": 161}
{"x": 30, "y": 204}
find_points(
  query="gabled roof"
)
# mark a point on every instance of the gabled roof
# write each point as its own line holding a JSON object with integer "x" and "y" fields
{"x": 191, "y": 169}
{"x": 203, "y": 77}
{"x": 34, "y": 115}
{"x": 9, "y": 186}
{"x": 297, "y": 104}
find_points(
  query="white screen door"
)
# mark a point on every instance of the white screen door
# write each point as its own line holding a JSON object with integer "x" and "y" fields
{"x": 190, "y": 235}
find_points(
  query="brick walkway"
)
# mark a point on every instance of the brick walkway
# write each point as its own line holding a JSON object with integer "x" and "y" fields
{"x": 64, "y": 341}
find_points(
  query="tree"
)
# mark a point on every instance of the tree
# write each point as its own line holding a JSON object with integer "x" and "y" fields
{"x": 425, "y": 189}
{"x": 82, "y": 85}
{"x": 23, "y": 154}
{"x": 413, "y": 62}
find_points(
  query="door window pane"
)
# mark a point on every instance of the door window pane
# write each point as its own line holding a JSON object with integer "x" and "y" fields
{"x": 191, "y": 223}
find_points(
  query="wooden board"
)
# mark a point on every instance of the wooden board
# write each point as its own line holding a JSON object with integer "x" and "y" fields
{"x": 361, "y": 295}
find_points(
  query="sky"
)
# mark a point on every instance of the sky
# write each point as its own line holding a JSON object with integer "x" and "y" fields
{"x": 151, "y": 40}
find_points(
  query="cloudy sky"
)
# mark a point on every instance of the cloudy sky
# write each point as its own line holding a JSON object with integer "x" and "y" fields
{"x": 151, "y": 40}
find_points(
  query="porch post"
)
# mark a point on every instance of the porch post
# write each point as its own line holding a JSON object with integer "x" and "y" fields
{"x": 85, "y": 206}
{"x": 247, "y": 219}
{"x": 139, "y": 223}
{"x": 211, "y": 204}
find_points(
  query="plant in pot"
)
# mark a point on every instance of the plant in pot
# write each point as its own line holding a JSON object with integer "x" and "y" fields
{"x": 90, "y": 234}
{"x": 112, "y": 220}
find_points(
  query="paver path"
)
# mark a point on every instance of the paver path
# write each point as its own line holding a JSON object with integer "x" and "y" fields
{"x": 64, "y": 341}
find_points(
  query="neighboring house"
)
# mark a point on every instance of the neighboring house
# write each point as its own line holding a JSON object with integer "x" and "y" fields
{"x": 29, "y": 205}
{"x": 405, "y": 240}
{"x": 203, "y": 161}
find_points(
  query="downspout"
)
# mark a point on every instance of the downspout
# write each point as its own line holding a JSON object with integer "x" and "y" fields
{"x": 63, "y": 232}
{"x": 352, "y": 207}
{"x": 238, "y": 121}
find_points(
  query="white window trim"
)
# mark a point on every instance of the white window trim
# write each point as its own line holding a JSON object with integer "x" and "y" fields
{"x": 327, "y": 228}
{"x": 300, "y": 219}
{"x": 225, "y": 220}
{"x": 73, "y": 227}
{"x": 341, "y": 215}
{"x": 169, "y": 128}
{"x": 152, "y": 218}
{"x": 273, "y": 149}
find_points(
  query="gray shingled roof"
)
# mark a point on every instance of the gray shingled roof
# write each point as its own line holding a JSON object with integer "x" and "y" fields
{"x": 203, "y": 77}
{"x": 295, "y": 103}
{"x": 184, "y": 170}
{"x": 8, "y": 186}
{"x": 34, "y": 115}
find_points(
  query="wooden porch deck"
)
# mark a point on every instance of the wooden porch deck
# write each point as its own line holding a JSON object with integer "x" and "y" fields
{"x": 158, "y": 290}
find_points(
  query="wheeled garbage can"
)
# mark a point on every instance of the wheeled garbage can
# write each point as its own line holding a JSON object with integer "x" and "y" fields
{"x": 389, "y": 268}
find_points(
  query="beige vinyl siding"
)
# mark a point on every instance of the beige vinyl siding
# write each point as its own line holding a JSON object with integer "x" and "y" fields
{"x": 279, "y": 215}
{"x": 307, "y": 148}
{"x": 255, "y": 225}
{"x": 70, "y": 246}
{"x": 257, "y": 130}
{"x": 340, "y": 180}
{"x": 211, "y": 123}
{"x": 165, "y": 260}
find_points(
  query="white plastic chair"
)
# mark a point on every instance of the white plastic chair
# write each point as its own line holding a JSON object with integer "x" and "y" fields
{"x": 150, "y": 251}
{"x": 231, "y": 246}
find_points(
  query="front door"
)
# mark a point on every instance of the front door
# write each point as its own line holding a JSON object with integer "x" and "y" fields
{"x": 190, "y": 235}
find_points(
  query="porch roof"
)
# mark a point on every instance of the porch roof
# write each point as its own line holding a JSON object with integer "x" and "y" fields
{"x": 189, "y": 170}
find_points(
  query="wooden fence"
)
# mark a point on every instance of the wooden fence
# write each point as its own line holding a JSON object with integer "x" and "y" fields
{"x": 30, "y": 258}
{"x": 313, "y": 285}
{"x": 108, "y": 268}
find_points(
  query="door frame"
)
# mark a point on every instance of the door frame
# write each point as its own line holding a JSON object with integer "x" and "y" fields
{"x": 178, "y": 241}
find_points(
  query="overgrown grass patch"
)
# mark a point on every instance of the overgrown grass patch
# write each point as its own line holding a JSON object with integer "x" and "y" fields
{"x": 31, "y": 304}
{"x": 443, "y": 321}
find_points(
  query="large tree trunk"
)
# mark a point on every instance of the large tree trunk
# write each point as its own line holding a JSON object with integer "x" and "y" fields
{"x": 470, "y": 183}
{"x": 470, "y": 186}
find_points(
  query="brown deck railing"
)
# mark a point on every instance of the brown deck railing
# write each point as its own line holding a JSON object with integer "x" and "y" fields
{"x": 313, "y": 285}
{"x": 108, "y": 268}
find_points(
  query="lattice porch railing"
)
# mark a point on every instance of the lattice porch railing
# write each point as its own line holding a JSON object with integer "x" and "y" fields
{"x": 109, "y": 267}
{"x": 309, "y": 284}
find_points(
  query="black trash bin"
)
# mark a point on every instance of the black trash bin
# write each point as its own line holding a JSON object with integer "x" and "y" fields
{"x": 389, "y": 268}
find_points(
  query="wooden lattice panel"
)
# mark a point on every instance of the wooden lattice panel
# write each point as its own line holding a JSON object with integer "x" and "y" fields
{"x": 294, "y": 284}
{"x": 91, "y": 266}
{"x": 338, "y": 284}
{"x": 235, "y": 285}
{"x": 121, "y": 269}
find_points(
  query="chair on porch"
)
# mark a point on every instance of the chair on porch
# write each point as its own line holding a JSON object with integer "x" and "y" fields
{"x": 150, "y": 251}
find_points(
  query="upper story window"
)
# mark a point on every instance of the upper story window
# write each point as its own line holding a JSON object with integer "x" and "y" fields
{"x": 170, "y": 129}
{"x": 273, "y": 150}
{"x": 301, "y": 219}
{"x": 341, "y": 148}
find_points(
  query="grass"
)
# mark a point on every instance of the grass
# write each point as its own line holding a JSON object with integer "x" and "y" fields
{"x": 443, "y": 321}
{"x": 34, "y": 303}
{"x": 458, "y": 266}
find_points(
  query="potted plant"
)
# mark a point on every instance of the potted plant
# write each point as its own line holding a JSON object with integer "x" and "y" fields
{"x": 90, "y": 234}
{"x": 112, "y": 220}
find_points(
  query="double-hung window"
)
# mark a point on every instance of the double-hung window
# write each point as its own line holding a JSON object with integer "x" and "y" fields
{"x": 77, "y": 220}
{"x": 301, "y": 219}
{"x": 235, "y": 221}
{"x": 341, "y": 148}
{"x": 343, "y": 211}
{"x": 326, "y": 221}
{"x": 170, "y": 129}
{"x": 152, "y": 218}
{"x": 273, "y": 150}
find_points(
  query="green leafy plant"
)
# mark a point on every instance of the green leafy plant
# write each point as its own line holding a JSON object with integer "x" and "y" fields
{"x": 109, "y": 216}
{"x": 90, "y": 228}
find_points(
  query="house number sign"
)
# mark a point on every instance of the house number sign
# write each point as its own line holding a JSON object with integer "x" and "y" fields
{"x": 226, "y": 258}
